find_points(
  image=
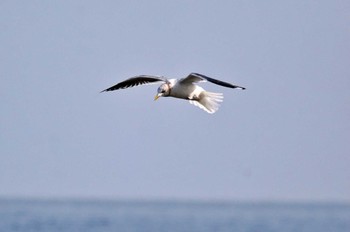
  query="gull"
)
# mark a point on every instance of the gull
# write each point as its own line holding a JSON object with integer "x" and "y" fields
{"x": 184, "y": 88}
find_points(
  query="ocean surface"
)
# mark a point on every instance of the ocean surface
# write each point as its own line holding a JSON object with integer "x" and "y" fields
{"x": 136, "y": 216}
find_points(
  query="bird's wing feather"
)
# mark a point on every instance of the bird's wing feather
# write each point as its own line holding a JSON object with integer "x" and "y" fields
{"x": 135, "y": 81}
{"x": 196, "y": 77}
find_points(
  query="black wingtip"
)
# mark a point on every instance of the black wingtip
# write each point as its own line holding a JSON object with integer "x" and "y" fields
{"x": 108, "y": 89}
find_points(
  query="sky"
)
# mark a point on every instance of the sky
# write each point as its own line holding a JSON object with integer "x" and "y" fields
{"x": 285, "y": 138}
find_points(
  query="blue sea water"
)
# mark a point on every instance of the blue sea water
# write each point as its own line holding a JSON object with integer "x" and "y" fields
{"x": 136, "y": 216}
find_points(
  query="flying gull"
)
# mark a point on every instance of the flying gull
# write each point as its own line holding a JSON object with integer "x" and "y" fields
{"x": 184, "y": 88}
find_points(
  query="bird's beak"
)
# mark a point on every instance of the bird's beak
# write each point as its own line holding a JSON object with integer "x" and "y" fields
{"x": 156, "y": 97}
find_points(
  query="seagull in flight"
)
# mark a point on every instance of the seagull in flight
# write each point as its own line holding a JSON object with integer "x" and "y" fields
{"x": 184, "y": 88}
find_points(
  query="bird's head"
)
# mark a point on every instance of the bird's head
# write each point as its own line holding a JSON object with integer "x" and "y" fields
{"x": 163, "y": 91}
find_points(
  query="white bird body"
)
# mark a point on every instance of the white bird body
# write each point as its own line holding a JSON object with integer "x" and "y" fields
{"x": 180, "y": 90}
{"x": 184, "y": 88}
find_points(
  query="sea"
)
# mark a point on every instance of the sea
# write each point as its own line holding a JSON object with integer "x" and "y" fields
{"x": 166, "y": 215}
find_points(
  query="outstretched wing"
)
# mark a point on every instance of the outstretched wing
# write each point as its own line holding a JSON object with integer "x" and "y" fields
{"x": 135, "y": 81}
{"x": 196, "y": 77}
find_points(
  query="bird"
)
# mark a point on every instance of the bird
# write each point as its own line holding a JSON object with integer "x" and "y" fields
{"x": 183, "y": 88}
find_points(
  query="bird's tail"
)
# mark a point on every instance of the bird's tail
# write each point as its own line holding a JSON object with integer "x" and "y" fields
{"x": 208, "y": 101}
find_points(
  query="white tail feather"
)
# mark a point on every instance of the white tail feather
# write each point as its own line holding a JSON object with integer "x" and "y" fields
{"x": 208, "y": 101}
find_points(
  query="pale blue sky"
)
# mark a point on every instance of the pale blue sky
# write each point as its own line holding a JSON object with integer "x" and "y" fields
{"x": 284, "y": 138}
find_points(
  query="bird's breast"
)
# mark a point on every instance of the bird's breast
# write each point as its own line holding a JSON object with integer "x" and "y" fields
{"x": 185, "y": 91}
